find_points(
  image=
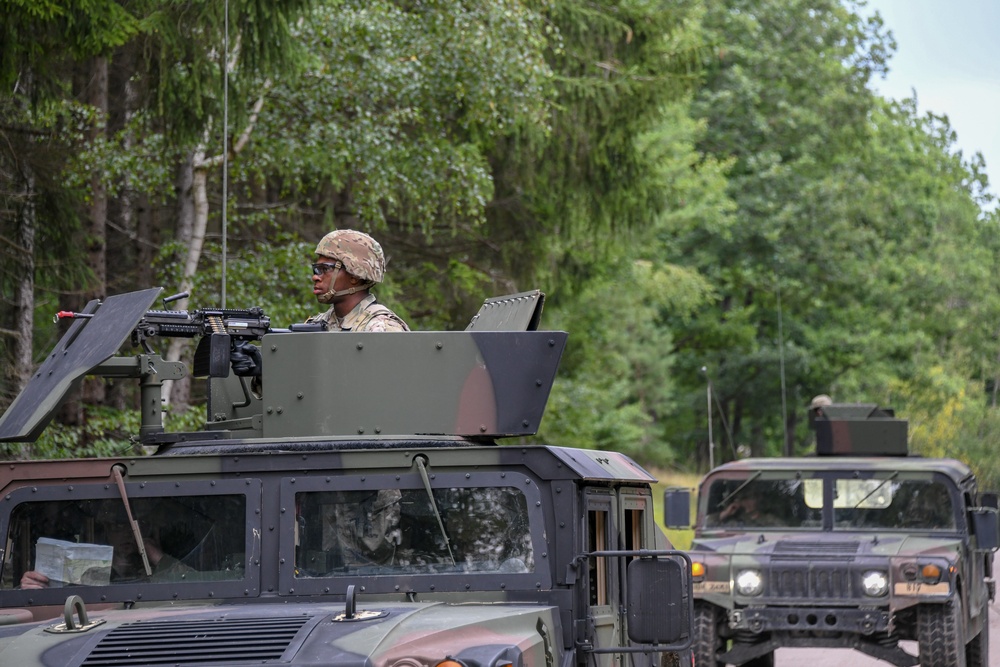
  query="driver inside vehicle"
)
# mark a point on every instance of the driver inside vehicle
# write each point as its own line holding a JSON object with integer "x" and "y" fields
{"x": 928, "y": 507}
{"x": 126, "y": 562}
{"x": 747, "y": 509}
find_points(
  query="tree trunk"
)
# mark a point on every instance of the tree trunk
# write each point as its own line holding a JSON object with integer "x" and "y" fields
{"x": 146, "y": 221}
{"x": 95, "y": 233}
{"x": 184, "y": 230}
{"x": 179, "y": 392}
{"x": 95, "y": 92}
{"x": 24, "y": 306}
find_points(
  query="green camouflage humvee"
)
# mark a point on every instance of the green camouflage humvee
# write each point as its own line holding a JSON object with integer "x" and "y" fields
{"x": 847, "y": 549}
{"x": 352, "y": 509}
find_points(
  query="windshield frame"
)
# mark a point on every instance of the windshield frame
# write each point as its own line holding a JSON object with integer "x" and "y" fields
{"x": 831, "y": 518}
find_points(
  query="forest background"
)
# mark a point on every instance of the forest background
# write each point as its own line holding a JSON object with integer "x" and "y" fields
{"x": 709, "y": 192}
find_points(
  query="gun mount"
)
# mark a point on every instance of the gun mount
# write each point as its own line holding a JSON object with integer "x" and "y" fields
{"x": 489, "y": 381}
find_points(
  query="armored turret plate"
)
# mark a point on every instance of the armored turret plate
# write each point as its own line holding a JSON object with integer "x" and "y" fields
{"x": 88, "y": 342}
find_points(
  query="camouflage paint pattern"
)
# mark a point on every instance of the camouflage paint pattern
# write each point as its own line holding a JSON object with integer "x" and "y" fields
{"x": 440, "y": 382}
{"x": 526, "y": 618}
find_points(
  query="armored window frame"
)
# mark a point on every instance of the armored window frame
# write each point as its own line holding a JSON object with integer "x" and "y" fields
{"x": 402, "y": 581}
{"x": 192, "y": 586}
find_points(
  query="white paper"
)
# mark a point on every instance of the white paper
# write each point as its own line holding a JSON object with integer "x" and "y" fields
{"x": 74, "y": 562}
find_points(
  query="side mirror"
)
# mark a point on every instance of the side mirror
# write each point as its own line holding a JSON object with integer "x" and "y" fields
{"x": 989, "y": 499}
{"x": 985, "y": 523}
{"x": 660, "y": 604}
{"x": 677, "y": 508}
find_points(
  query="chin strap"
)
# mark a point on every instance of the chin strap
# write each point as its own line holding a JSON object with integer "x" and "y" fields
{"x": 331, "y": 294}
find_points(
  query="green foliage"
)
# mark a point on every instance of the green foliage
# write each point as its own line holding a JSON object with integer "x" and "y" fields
{"x": 948, "y": 417}
{"x": 567, "y": 199}
{"x": 398, "y": 105}
{"x": 183, "y": 45}
{"x": 40, "y": 36}
{"x": 842, "y": 265}
{"x": 698, "y": 184}
{"x": 106, "y": 432}
{"x": 273, "y": 275}
{"x": 615, "y": 379}
{"x": 146, "y": 168}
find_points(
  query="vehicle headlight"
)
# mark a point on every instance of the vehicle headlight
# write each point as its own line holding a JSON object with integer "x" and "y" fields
{"x": 749, "y": 582}
{"x": 875, "y": 583}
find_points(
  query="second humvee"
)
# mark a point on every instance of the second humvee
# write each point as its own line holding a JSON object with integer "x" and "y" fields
{"x": 355, "y": 510}
{"x": 859, "y": 547}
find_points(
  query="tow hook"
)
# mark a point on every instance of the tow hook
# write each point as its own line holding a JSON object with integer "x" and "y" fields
{"x": 74, "y": 603}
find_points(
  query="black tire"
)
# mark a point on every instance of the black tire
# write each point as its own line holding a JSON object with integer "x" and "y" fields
{"x": 762, "y": 661}
{"x": 707, "y": 642}
{"x": 977, "y": 651}
{"x": 939, "y": 634}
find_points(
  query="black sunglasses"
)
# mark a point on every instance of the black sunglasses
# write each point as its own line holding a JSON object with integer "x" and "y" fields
{"x": 320, "y": 268}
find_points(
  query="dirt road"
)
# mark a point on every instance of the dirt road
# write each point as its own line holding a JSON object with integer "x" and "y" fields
{"x": 796, "y": 657}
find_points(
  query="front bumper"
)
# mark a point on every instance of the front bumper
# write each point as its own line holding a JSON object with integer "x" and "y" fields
{"x": 853, "y": 620}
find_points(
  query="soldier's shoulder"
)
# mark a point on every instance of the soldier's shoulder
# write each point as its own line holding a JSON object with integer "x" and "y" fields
{"x": 386, "y": 320}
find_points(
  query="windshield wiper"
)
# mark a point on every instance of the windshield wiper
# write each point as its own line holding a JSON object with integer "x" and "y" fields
{"x": 872, "y": 492}
{"x": 133, "y": 524}
{"x": 729, "y": 498}
{"x": 419, "y": 460}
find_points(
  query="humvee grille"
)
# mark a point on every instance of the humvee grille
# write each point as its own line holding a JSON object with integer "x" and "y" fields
{"x": 803, "y": 583}
{"x": 808, "y": 570}
{"x": 203, "y": 642}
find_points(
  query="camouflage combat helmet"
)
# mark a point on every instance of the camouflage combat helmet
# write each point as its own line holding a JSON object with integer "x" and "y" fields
{"x": 361, "y": 254}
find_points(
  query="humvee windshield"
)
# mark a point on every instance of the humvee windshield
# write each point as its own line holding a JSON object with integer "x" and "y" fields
{"x": 88, "y": 541}
{"x": 786, "y": 500}
{"x": 389, "y": 531}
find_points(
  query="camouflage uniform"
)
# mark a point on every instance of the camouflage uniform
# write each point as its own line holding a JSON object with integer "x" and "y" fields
{"x": 362, "y": 257}
{"x": 368, "y": 315}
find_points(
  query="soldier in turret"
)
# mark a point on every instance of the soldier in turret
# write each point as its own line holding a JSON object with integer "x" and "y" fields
{"x": 349, "y": 264}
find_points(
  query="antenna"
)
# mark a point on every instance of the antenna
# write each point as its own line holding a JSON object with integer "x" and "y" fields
{"x": 225, "y": 142}
{"x": 711, "y": 443}
{"x": 786, "y": 446}
{"x": 722, "y": 416}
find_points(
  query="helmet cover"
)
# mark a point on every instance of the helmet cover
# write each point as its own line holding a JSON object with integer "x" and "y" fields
{"x": 361, "y": 254}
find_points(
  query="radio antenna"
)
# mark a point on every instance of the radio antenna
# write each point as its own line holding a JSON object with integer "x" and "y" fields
{"x": 225, "y": 142}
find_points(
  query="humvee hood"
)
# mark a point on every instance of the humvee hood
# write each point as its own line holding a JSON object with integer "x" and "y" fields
{"x": 290, "y": 635}
{"x": 820, "y": 545}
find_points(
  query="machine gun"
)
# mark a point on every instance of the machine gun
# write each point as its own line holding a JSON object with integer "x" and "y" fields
{"x": 237, "y": 323}
{"x": 220, "y": 329}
